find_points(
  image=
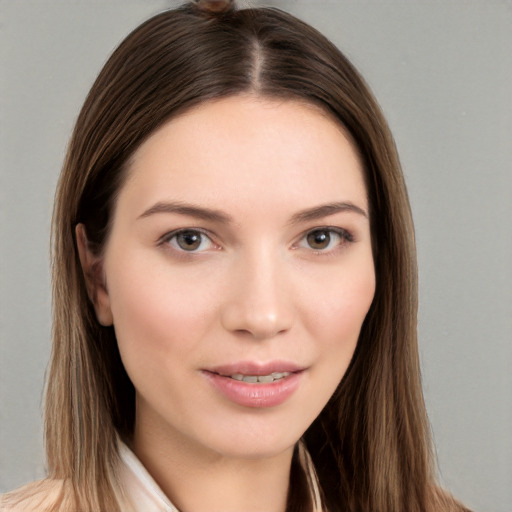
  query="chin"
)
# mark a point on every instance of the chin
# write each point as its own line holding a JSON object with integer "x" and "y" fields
{"x": 256, "y": 451}
{"x": 255, "y": 442}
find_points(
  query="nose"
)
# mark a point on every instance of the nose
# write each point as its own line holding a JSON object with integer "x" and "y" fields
{"x": 259, "y": 300}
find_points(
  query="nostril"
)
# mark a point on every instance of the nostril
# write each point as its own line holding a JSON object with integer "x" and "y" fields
{"x": 248, "y": 322}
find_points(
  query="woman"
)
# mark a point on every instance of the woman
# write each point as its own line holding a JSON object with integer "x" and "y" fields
{"x": 234, "y": 283}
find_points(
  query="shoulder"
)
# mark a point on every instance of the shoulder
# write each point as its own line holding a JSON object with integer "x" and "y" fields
{"x": 46, "y": 495}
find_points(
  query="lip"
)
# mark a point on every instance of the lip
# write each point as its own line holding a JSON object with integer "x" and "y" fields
{"x": 255, "y": 368}
{"x": 259, "y": 395}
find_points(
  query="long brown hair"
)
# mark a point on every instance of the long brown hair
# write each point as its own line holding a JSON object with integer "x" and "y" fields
{"x": 370, "y": 446}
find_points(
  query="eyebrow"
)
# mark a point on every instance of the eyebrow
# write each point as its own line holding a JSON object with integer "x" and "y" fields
{"x": 325, "y": 210}
{"x": 190, "y": 210}
{"x": 221, "y": 217}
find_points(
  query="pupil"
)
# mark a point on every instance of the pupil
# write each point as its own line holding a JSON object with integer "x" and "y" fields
{"x": 189, "y": 240}
{"x": 319, "y": 239}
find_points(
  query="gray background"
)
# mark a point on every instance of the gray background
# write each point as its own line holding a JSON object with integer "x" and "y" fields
{"x": 442, "y": 71}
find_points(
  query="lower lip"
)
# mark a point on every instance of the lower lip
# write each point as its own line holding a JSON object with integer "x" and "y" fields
{"x": 255, "y": 395}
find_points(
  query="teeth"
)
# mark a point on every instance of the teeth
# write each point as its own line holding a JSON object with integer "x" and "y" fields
{"x": 253, "y": 379}
{"x": 265, "y": 378}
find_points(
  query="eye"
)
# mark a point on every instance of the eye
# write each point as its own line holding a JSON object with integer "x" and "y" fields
{"x": 189, "y": 240}
{"x": 325, "y": 239}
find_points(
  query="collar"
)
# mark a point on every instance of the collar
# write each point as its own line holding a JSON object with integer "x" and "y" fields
{"x": 143, "y": 493}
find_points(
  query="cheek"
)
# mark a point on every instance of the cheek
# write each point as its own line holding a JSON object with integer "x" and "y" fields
{"x": 334, "y": 323}
{"x": 337, "y": 310}
{"x": 156, "y": 314}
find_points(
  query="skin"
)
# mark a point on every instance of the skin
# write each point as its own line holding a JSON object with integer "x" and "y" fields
{"x": 254, "y": 289}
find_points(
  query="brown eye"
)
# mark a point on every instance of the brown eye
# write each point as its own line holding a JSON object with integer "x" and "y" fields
{"x": 319, "y": 239}
{"x": 190, "y": 240}
{"x": 325, "y": 239}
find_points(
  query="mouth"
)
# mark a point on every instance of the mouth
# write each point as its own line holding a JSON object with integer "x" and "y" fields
{"x": 257, "y": 379}
{"x": 256, "y": 373}
{"x": 254, "y": 384}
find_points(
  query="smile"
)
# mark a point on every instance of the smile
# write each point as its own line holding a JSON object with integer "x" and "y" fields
{"x": 256, "y": 385}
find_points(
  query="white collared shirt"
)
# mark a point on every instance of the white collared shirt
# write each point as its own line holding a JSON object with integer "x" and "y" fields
{"x": 142, "y": 491}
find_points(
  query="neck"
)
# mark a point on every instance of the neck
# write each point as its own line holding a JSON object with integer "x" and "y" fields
{"x": 196, "y": 479}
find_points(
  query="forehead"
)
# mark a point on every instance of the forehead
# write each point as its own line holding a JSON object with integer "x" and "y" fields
{"x": 242, "y": 147}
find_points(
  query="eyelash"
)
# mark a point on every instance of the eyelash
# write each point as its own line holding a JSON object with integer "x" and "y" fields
{"x": 345, "y": 237}
{"x": 167, "y": 239}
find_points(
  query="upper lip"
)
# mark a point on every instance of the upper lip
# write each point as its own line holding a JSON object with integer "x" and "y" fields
{"x": 255, "y": 368}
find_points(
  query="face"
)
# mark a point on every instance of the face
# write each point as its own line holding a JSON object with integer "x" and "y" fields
{"x": 238, "y": 273}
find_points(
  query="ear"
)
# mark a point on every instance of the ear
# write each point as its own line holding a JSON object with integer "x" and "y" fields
{"x": 92, "y": 267}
